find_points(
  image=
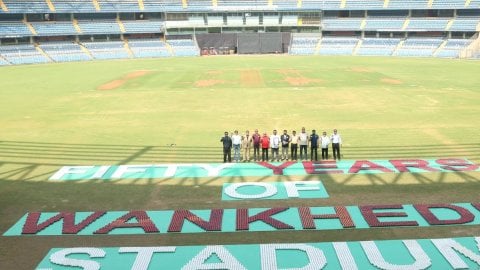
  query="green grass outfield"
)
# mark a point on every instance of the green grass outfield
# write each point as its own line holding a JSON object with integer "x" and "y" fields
{"x": 54, "y": 115}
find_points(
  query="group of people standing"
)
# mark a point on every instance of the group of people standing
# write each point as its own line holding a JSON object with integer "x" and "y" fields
{"x": 273, "y": 143}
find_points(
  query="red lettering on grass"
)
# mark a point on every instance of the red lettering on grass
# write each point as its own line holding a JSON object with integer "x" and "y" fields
{"x": 277, "y": 170}
{"x": 321, "y": 167}
{"x": 341, "y": 213}
{"x": 367, "y": 165}
{"x": 426, "y": 212}
{"x": 372, "y": 218}
{"x": 32, "y": 226}
{"x": 143, "y": 221}
{"x": 403, "y": 165}
{"x": 179, "y": 217}
{"x": 456, "y": 164}
{"x": 243, "y": 219}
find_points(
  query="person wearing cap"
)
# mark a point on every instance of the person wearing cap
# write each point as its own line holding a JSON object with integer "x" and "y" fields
{"x": 324, "y": 141}
{"x": 227, "y": 147}
{"x": 336, "y": 142}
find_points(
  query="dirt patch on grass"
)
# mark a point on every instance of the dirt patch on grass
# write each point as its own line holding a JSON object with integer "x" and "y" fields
{"x": 295, "y": 78}
{"x": 290, "y": 72}
{"x": 360, "y": 70}
{"x": 119, "y": 82}
{"x": 207, "y": 83}
{"x": 390, "y": 81}
{"x": 251, "y": 78}
{"x": 298, "y": 81}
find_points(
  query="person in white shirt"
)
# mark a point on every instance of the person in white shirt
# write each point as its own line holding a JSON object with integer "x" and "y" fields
{"x": 325, "y": 141}
{"x": 303, "y": 142}
{"x": 274, "y": 145}
{"x": 336, "y": 142}
{"x": 237, "y": 142}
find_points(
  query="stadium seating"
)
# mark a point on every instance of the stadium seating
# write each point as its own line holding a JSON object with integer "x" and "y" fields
{"x": 3, "y": 62}
{"x": 30, "y": 6}
{"x": 143, "y": 26}
{"x": 64, "y": 51}
{"x": 428, "y": 24}
{"x": 341, "y": 24}
{"x": 184, "y": 47}
{"x": 465, "y": 24}
{"x": 384, "y": 24}
{"x": 146, "y": 48}
{"x": 54, "y": 28}
{"x": 107, "y": 49}
{"x": 22, "y": 54}
{"x": 338, "y": 45}
{"x": 453, "y": 4}
{"x": 165, "y": 5}
{"x": 119, "y": 5}
{"x": 304, "y": 44}
{"x": 199, "y": 5}
{"x": 99, "y": 27}
{"x": 419, "y": 47}
{"x": 85, "y": 6}
{"x": 120, "y": 19}
{"x": 14, "y": 29}
{"x": 364, "y": 4}
{"x": 378, "y": 46}
{"x": 411, "y": 4}
{"x": 453, "y": 48}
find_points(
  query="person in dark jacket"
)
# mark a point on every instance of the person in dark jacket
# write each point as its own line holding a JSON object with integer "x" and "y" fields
{"x": 227, "y": 147}
{"x": 314, "y": 146}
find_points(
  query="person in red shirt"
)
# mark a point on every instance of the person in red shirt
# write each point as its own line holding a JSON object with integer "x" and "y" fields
{"x": 265, "y": 142}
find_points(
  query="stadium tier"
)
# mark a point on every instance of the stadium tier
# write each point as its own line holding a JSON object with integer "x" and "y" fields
{"x": 42, "y": 31}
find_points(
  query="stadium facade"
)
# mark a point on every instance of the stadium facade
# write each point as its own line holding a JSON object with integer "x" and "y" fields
{"x": 43, "y": 31}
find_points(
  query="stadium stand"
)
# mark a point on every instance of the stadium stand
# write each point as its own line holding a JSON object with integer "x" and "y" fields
{"x": 40, "y": 31}
{"x": 419, "y": 47}
{"x": 452, "y": 48}
{"x": 99, "y": 27}
{"x": 427, "y": 24}
{"x": 304, "y": 44}
{"x": 119, "y": 5}
{"x": 378, "y": 46}
{"x": 64, "y": 51}
{"x": 145, "y": 48}
{"x": 107, "y": 49}
{"x": 54, "y": 28}
{"x": 22, "y": 54}
{"x": 143, "y": 26}
{"x": 184, "y": 47}
{"x": 384, "y": 24}
{"x": 31, "y": 6}
{"x": 81, "y": 6}
{"x": 338, "y": 45}
{"x": 342, "y": 24}
{"x": 14, "y": 29}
